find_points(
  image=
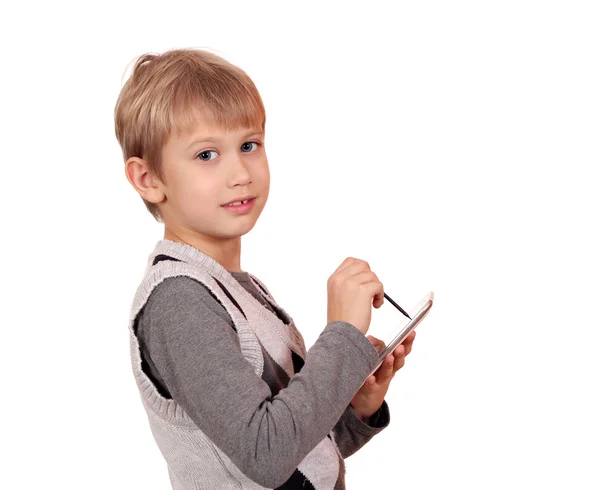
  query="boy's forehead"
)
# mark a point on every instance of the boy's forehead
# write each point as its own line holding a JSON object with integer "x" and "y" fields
{"x": 199, "y": 129}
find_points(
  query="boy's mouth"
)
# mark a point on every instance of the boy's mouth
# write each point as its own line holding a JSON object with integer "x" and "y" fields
{"x": 239, "y": 201}
{"x": 240, "y": 207}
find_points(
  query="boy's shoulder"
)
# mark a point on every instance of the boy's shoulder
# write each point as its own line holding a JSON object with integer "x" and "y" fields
{"x": 179, "y": 291}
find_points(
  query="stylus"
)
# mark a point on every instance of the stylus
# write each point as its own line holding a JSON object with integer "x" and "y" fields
{"x": 396, "y": 305}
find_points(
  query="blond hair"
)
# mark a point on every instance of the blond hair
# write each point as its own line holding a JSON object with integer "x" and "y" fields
{"x": 168, "y": 92}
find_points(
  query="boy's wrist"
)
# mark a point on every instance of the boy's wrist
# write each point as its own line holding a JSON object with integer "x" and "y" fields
{"x": 378, "y": 421}
{"x": 363, "y": 416}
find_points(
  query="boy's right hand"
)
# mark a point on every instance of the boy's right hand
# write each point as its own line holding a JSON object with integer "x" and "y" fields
{"x": 352, "y": 290}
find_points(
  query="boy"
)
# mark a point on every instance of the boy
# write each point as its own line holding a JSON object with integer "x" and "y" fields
{"x": 233, "y": 398}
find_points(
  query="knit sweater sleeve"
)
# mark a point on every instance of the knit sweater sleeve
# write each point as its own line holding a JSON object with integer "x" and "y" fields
{"x": 351, "y": 433}
{"x": 265, "y": 436}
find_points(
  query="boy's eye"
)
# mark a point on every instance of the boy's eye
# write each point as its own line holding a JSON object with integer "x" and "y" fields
{"x": 247, "y": 146}
{"x": 205, "y": 155}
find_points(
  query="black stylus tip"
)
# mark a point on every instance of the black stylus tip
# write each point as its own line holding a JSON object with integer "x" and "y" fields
{"x": 396, "y": 305}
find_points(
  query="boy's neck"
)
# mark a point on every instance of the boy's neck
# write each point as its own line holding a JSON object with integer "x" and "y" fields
{"x": 225, "y": 252}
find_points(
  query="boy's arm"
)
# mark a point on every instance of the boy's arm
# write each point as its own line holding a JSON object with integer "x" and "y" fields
{"x": 197, "y": 354}
{"x": 351, "y": 433}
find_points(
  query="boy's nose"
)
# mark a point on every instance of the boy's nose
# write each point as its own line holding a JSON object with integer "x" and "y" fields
{"x": 239, "y": 171}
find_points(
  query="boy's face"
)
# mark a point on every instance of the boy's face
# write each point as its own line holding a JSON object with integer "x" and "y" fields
{"x": 204, "y": 170}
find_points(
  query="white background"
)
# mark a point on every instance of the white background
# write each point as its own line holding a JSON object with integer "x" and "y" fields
{"x": 452, "y": 145}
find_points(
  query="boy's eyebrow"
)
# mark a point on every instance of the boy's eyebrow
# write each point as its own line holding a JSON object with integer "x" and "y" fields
{"x": 213, "y": 140}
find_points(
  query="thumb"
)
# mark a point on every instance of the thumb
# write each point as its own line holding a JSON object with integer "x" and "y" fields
{"x": 375, "y": 341}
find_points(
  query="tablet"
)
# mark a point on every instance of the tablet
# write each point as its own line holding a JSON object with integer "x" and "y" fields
{"x": 400, "y": 333}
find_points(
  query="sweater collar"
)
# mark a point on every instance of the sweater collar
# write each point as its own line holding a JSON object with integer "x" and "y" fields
{"x": 192, "y": 256}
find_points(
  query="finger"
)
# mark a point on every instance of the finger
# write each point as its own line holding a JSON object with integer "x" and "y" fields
{"x": 378, "y": 296}
{"x": 347, "y": 268}
{"x": 354, "y": 267}
{"x": 347, "y": 261}
{"x": 378, "y": 292}
{"x": 378, "y": 345}
{"x": 399, "y": 363}
{"x": 408, "y": 343}
{"x": 386, "y": 371}
{"x": 369, "y": 281}
{"x": 399, "y": 357}
{"x": 378, "y": 299}
{"x": 408, "y": 340}
{"x": 374, "y": 340}
{"x": 400, "y": 351}
{"x": 350, "y": 267}
{"x": 365, "y": 276}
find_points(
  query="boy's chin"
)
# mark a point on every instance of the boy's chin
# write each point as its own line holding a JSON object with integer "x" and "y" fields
{"x": 234, "y": 233}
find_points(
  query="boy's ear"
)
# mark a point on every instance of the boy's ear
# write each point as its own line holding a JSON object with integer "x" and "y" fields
{"x": 147, "y": 185}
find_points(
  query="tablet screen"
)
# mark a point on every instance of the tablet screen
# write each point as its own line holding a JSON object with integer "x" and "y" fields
{"x": 397, "y": 335}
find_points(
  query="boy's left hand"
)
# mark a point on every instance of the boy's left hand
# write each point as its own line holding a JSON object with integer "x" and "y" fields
{"x": 370, "y": 396}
